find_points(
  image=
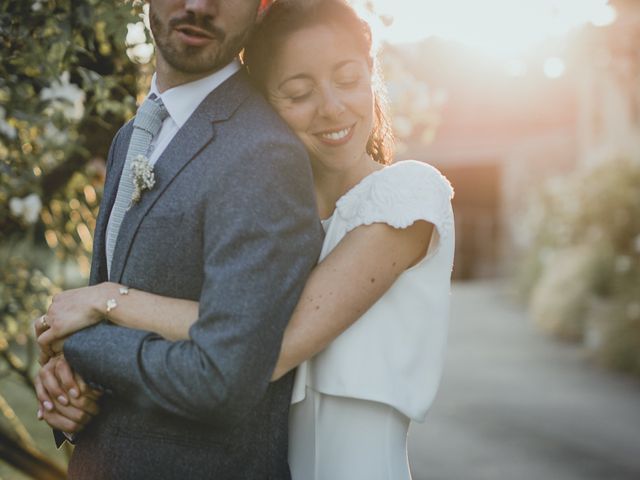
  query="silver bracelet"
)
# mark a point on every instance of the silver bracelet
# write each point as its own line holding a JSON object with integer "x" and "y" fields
{"x": 111, "y": 303}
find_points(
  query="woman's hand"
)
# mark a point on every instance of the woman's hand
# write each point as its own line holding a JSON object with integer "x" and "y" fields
{"x": 66, "y": 402}
{"x": 70, "y": 311}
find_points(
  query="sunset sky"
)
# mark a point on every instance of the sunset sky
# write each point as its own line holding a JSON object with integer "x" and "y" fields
{"x": 502, "y": 28}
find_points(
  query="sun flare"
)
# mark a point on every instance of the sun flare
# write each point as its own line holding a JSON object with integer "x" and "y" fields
{"x": 502, "y": 28}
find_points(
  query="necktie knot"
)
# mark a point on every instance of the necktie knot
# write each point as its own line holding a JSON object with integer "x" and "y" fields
{"x": 150, "y": 115}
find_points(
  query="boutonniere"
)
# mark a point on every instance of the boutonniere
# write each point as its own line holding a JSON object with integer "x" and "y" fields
{"x": 143, "y": 177}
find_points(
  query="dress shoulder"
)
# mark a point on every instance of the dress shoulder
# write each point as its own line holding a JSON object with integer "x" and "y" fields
{"x": 399, "y": 195}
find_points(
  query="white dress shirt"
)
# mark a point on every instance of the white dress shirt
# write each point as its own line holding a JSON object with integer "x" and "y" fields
{"x": 181, "y": 102}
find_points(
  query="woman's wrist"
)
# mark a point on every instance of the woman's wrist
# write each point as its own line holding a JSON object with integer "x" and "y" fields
{"x": 106, "y": 299}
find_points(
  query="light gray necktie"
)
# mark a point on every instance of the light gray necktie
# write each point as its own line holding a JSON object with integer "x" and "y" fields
{"x": 146, "y": 126}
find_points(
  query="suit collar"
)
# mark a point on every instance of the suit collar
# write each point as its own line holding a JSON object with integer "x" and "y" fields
{"x": 194, "y": 136}
{"x": 183, "y": 100}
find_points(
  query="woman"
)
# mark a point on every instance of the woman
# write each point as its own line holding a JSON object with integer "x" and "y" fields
{"x": 370, "y": 327}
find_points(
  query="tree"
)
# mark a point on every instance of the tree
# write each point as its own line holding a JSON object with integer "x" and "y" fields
{"x": 68, "y": 80}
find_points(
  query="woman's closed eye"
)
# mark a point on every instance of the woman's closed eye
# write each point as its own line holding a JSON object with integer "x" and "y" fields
{"x": 347, "y": 82}
{"x": 297, "y": 90}
{"x": 299, "y": 96}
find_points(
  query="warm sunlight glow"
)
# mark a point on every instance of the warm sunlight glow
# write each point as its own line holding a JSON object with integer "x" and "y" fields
{"x": 503, "y": 28}
{"x": 554, "y": 67}
{"x": 516, "y": 68}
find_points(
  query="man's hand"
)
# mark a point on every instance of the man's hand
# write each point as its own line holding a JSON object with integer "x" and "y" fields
{"x": 66, "y": 402}
{"x": 69, "y": 312}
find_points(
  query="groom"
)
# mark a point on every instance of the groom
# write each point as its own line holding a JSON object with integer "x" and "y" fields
{"x": 230, "y": 222}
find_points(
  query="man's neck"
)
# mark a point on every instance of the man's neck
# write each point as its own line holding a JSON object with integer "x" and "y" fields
{"x": 167, "y": 77}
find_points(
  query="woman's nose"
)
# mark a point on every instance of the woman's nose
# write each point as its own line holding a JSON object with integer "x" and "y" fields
{"x": 332, "y": 105}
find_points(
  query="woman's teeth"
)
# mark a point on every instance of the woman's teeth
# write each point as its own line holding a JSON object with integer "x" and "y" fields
{"x": 339, "y": 135}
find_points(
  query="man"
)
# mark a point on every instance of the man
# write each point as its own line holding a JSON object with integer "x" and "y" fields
{"x": 230, "y": 222}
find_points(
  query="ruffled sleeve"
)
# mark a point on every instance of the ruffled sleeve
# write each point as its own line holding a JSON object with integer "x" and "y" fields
{"x": 400, "y": 195}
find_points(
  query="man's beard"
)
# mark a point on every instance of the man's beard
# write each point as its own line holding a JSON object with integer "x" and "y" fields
{"x": 193, "y": 59}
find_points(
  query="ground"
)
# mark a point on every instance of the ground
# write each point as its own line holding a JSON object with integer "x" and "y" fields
{"x": 515, "y": 404}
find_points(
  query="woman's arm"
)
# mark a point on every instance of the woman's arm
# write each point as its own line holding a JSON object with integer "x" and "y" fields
{"x": 73, "y": 310}
{"x": 360, "y": 269}
{"x": 169, "y": 317}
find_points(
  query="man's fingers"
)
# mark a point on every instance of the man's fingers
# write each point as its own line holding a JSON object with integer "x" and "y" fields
{"x": 60, "y": 422}
{"x": 94, "y": 394}
{"x": 87, "y": 391}
{"x": 86, "y": 404}
{"x": 75, "y": 414}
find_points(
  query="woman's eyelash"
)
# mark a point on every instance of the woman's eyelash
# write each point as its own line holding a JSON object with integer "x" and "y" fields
{"x": 348, "y": 81}
{"x": 300, "y": 97}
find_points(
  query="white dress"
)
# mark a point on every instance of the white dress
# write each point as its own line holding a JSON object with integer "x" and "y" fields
{"x": 352, "y": 403}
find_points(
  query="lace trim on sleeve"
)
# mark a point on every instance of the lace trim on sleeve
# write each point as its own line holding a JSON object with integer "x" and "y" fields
{"x": 399, "y": 195}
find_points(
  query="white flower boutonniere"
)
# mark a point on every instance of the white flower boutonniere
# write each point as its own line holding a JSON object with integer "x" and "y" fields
{"x": 143, "y": 177}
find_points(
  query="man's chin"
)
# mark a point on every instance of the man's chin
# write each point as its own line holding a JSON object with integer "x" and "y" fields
{"x": 190, "y": 64}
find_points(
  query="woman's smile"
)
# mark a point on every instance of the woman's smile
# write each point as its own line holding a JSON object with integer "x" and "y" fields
{"x": 336, "y": 137}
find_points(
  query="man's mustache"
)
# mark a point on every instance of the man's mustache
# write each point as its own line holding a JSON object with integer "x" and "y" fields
{"x": 198, "y": 21}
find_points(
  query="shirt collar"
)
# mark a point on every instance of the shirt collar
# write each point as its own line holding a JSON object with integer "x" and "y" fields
{"x": 182, "y": 101}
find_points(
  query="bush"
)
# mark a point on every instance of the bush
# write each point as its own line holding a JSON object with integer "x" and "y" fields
{"x": 582, "y": 272}
{"x": 67, "y": 82}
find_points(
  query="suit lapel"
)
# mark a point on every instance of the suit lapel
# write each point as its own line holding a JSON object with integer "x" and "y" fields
{"x": 194, "y": 136}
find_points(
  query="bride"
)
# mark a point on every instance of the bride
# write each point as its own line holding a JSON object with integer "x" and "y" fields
{"x": 369, "y": 331}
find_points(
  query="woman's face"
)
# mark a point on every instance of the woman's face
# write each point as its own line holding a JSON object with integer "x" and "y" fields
{"x": 321, "y": 85}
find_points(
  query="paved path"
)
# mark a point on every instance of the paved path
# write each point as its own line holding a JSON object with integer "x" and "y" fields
{"x": 517, "y": 405}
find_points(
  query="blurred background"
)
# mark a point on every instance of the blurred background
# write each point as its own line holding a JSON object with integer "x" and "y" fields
{"x": 531, "y": 108}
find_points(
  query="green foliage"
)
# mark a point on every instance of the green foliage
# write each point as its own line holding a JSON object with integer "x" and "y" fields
{"x": 66, "y": 84}
{"x": 583, "y": 268}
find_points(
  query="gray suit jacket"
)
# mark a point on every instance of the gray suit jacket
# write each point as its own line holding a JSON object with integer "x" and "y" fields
{"x": 232, "y": 223}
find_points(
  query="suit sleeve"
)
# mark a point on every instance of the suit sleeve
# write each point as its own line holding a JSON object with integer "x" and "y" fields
{"x": 256, "y": 264}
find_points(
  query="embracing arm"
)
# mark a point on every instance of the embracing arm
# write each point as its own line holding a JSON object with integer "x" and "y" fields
{"x": 360, "y": 269}
{"x": 339, "y": 290}
{"x": 74, "y": 310}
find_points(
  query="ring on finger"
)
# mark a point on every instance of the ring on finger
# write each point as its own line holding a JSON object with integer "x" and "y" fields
{"x": 43, "y": 321}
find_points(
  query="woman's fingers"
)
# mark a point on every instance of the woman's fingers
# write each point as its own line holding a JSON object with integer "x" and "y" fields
{"x": 43, "y": 358}
{"x": 40, "y": 325}
{"x": 52, "y": 384}
{"x": 43, "y": 397}
{"x": 67, "y": 378}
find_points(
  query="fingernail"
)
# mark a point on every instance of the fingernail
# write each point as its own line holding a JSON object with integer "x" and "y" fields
{"x": 63, "y": 400}
{"x": 39, "y": 414}
{"x": 48, "y": 405}
{"x": 74, "y": 393}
